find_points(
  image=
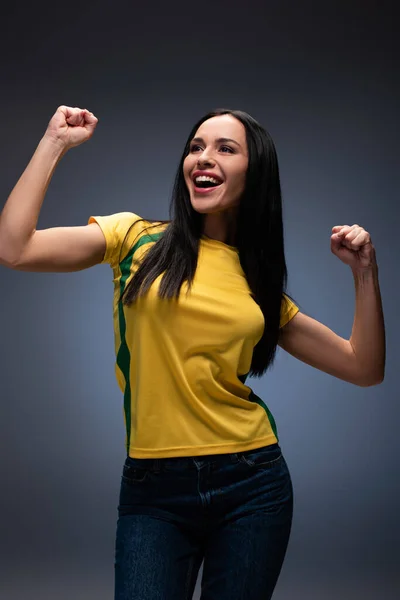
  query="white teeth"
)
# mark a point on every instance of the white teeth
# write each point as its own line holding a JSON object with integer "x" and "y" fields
{"x": 206, "y": 178}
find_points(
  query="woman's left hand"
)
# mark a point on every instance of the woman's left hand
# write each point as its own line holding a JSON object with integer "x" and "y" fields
{"x": 352, "y": 244}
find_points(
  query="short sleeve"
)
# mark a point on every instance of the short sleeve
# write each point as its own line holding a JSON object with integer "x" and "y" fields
{"x": 115, "y": 228}
{"x": 288, "y": 310}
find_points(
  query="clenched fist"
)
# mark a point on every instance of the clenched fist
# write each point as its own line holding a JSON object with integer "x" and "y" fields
{"x": 70, "y": 127}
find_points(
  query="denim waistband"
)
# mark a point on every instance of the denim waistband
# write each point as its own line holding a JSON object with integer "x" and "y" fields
{"x": 156, "y": 464}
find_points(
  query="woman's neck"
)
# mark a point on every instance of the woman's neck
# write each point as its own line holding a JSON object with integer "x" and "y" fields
{"x": 221, "y": 226}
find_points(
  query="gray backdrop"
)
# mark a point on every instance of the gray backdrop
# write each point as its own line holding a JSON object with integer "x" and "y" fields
{"x": 323, "y": 79}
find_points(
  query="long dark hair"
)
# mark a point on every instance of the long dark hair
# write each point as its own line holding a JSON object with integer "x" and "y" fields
{"x": 259, "y": 238}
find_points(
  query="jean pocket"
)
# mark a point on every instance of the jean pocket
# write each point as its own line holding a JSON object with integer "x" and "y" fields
{"x": 134, "y": 474}
{"x": 264, "y": 457}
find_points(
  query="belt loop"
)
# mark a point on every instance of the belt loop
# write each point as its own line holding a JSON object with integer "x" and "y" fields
{"x": 157, "y": 465}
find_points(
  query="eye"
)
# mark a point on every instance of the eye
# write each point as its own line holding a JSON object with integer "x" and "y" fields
{"x": 195, "y": 148}
{"x": 228, "y": 149}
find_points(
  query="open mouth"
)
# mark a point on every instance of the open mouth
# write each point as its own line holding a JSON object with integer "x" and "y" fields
{"x": 206, "y": 182}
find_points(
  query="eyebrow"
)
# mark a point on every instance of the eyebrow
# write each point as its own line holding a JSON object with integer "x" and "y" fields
{"x": 219, "y": 140}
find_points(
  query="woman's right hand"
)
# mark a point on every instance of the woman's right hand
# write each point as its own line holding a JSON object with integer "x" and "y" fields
{"x": 71, "y": 127}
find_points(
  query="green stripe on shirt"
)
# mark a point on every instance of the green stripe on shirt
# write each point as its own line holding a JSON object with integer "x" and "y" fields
{"x": 123, "y": 355}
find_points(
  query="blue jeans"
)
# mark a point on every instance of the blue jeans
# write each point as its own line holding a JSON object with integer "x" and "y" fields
{"x": 234, "y": 511}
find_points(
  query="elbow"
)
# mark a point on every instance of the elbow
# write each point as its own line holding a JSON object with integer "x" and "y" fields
{"x": 369, "y": 375}
{"x": 10, "y": 264}
{"x": 369, "y": 380}
{"x": 371, "y": 383}
{"x": 6, "y": 260}
{"x": 6, "y": 263}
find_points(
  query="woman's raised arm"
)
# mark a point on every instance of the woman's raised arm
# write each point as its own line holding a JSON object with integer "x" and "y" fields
{"x": 56, "y": 249}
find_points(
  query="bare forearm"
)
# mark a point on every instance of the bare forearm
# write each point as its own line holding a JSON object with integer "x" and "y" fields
{"x": 20, "y": 214}
{"x": 368, "y": 333}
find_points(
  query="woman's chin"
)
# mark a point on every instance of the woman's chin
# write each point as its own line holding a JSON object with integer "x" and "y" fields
{"x": 204, "y": 208}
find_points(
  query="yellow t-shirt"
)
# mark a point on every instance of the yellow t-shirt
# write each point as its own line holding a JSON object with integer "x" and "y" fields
{"x": 181, "y": 365}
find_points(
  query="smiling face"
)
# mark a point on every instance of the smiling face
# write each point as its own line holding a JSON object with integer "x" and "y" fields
{"x": 215, "y": 168}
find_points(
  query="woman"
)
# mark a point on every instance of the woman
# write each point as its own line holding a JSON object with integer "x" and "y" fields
{"x": 199, "y": 304}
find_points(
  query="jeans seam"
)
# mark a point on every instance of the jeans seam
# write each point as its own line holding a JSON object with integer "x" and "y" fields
{"x": 189, "y": 578}
{"x": 250, "y": 463}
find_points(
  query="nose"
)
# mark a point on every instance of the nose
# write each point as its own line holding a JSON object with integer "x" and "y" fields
{"x": 205, "y": 159}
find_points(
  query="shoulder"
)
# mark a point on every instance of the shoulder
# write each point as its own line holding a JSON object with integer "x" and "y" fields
{"x": 120, "y": 220}
{"x": 119, "y": 224}
{"x": 123, "y": 230}
{"x": 288, "y": 310}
